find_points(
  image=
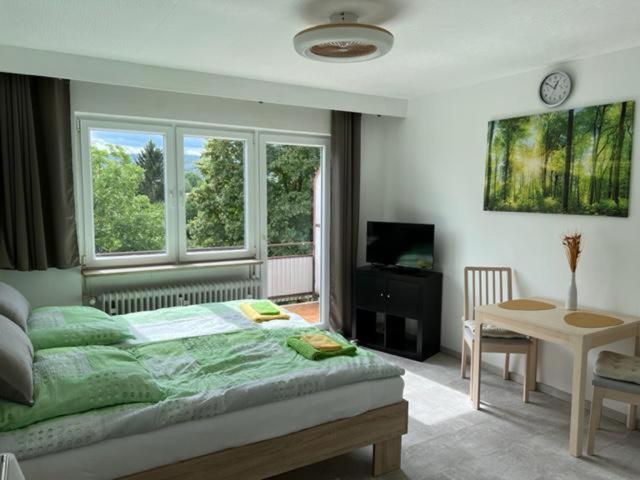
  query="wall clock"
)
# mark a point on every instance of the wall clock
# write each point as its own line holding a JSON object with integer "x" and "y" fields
{"x": 555, "y": 88}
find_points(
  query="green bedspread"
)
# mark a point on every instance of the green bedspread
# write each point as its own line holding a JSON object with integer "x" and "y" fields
{"x": 183, "y": 364}
{"x": 187, "y": 378}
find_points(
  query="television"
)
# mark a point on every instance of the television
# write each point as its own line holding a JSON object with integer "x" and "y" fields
{"x": 408, "y": 245}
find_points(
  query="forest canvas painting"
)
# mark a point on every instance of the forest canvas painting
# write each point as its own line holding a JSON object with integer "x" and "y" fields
{"x": 576, "y": 161}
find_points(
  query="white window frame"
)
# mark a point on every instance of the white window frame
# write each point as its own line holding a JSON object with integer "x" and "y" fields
{"x": 305, "y": 140}
{"x": 250, "y": 196}
{"x": 90, "y": 257}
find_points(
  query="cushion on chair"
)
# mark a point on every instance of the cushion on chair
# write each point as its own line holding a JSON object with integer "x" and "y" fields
{"x": 14, "y": 306}
{"x": 618, "y": 366}
{"x": 491, "y": 331}
{"x": 628, "y": 387}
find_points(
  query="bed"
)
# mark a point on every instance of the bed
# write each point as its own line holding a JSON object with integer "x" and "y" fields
{"x": 261, "y": 409}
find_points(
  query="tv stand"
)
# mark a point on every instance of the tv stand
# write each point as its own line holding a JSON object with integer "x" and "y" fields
{"x": 400, "y": 269}
{"x": 398, "y": 311}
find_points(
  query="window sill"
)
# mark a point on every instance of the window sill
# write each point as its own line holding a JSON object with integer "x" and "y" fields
{"x": 98, "y": 272}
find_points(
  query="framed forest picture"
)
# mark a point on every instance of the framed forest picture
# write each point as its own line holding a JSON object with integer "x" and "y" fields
{"x": 575, "y": 161}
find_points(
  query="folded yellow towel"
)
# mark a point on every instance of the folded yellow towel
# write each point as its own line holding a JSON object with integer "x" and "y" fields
{"x": 256, "y": 317}
{"x": 321, "y": 342}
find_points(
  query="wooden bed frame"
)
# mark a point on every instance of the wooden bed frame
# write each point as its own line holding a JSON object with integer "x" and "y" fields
{"x": 383, "y": 428}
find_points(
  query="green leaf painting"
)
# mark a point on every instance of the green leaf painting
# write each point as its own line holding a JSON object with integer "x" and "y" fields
{"x": 576, "y": 162}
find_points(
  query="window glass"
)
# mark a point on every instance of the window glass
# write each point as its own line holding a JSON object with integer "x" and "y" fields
{"x": 214, "y": 173}
{"x": 128, "y": 182}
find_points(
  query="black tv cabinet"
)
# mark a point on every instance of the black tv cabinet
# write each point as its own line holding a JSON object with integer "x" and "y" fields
{"x": 398, "y": 311}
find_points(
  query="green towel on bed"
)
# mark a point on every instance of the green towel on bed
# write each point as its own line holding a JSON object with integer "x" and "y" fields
{"x": 307, "y": 351}
{"x": 265, "y": 307}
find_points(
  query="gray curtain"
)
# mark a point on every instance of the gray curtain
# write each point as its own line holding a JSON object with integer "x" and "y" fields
{"x": 345, "y": 210}
{"x": 37, "y": 222}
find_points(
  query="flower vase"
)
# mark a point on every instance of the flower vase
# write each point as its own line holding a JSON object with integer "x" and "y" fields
{"x": 572, "y": 294}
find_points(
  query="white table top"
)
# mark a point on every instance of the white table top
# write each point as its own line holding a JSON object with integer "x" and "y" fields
{"x": 550, "y": 324}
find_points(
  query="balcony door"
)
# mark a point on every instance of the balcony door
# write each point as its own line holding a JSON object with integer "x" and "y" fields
{"x": 295, "y": 223}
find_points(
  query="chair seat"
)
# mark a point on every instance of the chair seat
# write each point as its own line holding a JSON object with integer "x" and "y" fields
{"x": 490, "y": 331}
{"x": 617, "y": 366}
{"x": 628, "y": 387}
{"x": 469, "y": 338}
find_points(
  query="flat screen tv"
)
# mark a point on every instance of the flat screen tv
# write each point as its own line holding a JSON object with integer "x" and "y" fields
{"x": 408, "y": 245}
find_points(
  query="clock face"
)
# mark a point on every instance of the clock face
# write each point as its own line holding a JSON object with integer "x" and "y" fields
{"x": 555, "y": 88}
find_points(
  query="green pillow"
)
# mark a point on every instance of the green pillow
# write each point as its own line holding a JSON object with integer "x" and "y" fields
{"x": 53, "y": 327}
{"x": 78, "y": 379}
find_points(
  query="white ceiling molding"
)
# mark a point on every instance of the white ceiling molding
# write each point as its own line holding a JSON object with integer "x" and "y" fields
{"x": 115, "y": 72}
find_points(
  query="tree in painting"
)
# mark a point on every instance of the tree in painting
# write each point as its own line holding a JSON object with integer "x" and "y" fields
{"x": 577, "y": 162}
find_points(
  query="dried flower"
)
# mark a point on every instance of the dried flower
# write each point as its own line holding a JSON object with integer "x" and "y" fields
{"x": 572, "y": 249}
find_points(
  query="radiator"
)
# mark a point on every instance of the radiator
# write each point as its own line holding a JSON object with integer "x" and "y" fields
{"x": 128, "y": 301}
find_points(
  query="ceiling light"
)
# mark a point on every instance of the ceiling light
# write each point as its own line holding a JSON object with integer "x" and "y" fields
{"x": 343, "y": 40}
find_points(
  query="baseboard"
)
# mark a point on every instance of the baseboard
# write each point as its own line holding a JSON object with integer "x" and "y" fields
{"x": 609, "y": 413}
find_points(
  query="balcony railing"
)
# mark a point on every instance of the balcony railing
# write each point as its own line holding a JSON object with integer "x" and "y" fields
{"x": 291, "y": 270}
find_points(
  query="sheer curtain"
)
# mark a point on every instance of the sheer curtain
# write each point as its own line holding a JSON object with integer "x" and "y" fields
{"x": 37, "y": 213}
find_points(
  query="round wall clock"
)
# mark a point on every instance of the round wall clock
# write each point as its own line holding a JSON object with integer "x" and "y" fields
{"x": 555, "y": 88}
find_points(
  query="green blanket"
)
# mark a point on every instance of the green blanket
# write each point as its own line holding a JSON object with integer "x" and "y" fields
{"x": 78, "y": 379}
{"x": 188, "y": 366}
{"x": 308, "y": 352}
{"x": 187, "y": 378}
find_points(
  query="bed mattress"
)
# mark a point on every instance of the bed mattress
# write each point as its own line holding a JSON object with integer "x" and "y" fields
{"x": 118, "y": 457}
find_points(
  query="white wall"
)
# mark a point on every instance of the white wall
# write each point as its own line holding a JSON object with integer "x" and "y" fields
{"x": 114, "y": 72}
{"x": 377, "y": 139}
{"x": 64, "y": 287}
{"x": 434, "y": 172}
{"x": 141, "y": 102}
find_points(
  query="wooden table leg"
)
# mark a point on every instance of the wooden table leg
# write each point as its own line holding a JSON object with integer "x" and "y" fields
{"x": 532, "y": 374}
{"x": 580, "y": 351}
{"x": 476, "y": 363}
{"x": 633, "y": 409}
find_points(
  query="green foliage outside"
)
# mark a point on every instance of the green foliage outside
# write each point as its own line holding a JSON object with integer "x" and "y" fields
{"x": 124, "y": 219}
{"x": 215, "y": 197}
{"x": 151, "y": 160}
{"x": 129, "y": 209}
{"x": 575, "y": 162}
{"x": 291, "y": 171}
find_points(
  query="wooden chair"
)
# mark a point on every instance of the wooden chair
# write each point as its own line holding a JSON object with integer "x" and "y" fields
{"x": 487, "y": 285}
{"x": 624, "y": 366}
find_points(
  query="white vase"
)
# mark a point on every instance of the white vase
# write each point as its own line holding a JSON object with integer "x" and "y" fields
{"x": 572, "y": 294}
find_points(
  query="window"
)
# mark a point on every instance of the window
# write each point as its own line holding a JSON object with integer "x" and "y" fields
{"x": 158, "y": 193}
{"x": 130, "y": 178}
{"x": 216, "y": 197}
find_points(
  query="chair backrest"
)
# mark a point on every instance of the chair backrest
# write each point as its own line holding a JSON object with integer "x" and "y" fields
{"x": 485, "y": 285}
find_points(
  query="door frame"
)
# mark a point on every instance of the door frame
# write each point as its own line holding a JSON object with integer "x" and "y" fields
{"x": 324, "y": 142}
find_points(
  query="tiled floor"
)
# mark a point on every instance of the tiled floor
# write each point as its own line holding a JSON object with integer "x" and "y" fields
{"x": 507, "y": 439}
{"x": 310, "y": 311}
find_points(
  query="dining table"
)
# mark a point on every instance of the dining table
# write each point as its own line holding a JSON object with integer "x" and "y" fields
{"x": 550, "y": 325}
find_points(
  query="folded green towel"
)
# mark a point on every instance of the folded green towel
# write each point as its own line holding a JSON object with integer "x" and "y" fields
{"x": 307, "y": 351}
{"x": 265, "y": 307}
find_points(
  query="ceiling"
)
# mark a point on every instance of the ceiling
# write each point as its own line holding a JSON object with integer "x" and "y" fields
{"x": 439, "y": 44}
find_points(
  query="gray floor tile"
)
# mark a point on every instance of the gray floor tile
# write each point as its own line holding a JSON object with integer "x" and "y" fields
{"x": 507, "y": 439}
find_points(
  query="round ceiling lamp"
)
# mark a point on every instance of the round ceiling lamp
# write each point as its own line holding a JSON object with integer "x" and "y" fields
{"x": 343, "y": 40}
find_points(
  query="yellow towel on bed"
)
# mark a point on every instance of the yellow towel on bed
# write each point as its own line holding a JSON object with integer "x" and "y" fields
{"x": 321, "y": 342}
{"x": 256, "y": 317}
